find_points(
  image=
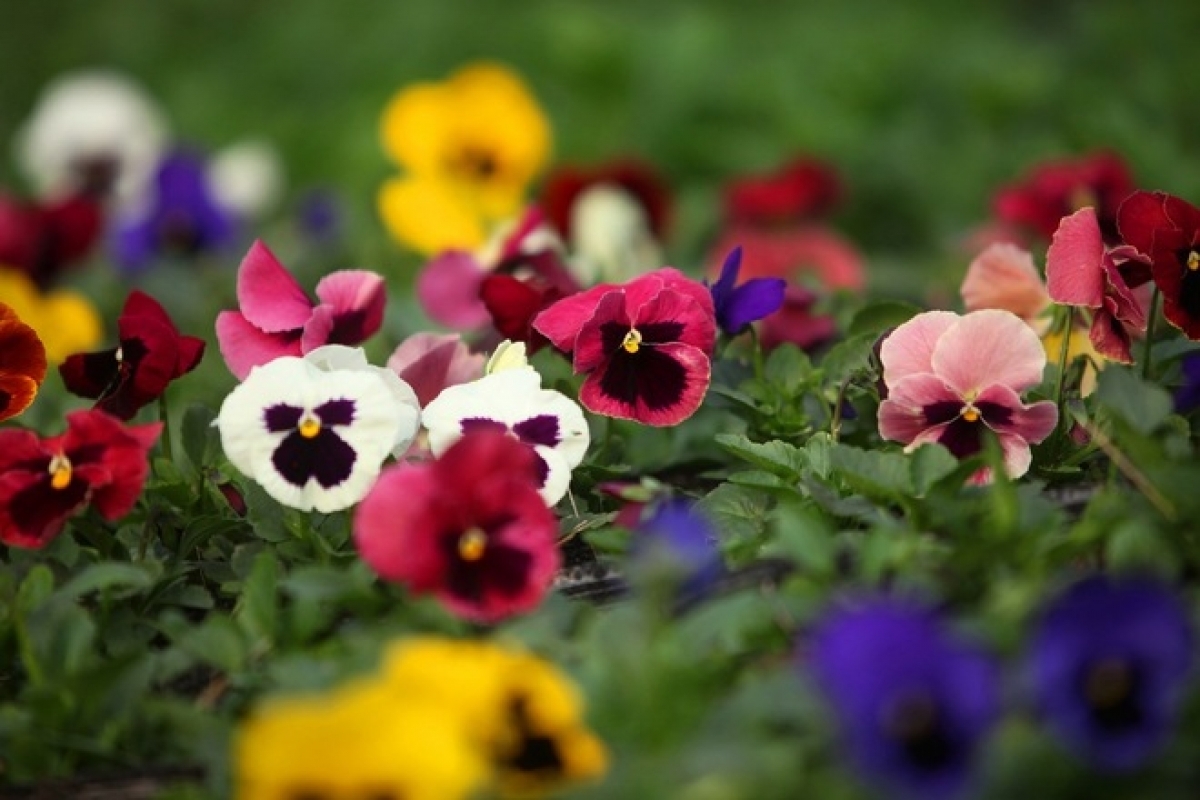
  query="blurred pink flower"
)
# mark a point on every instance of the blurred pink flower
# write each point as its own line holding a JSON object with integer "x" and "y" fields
{"x": 431, "y": 362}
{"x": 1004, "y": 276}
{"x": 796, "y": 322}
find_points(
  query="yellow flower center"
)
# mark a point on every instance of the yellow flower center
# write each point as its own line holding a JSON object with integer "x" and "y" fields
{"x": 310, "y": 427}
{"x": 60, "y": 472}
{"x": 970, "y": 414}
{"x": 1193, "y": 262}
{"x": 633, "y": 341}
{"x": 472, "y": 544}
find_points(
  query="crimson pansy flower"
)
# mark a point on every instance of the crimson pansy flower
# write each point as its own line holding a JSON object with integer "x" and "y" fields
{"x": 44, "y": 239}
{"x": 150, "y": 353}
{"x": 1054, "y": 189}
{"x": 44, "y": 481}
{"x": 803, "y": 188}
{"x": 470, "y": 528}
{"x": 278, "y": 319}
{"x": 645, "y": 345}
{"x": 520, "y": 289}
{"x": 1167, "y": 231}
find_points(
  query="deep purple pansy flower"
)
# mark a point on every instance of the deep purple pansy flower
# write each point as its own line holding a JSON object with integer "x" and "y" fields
{"x": 181, "y": 218}
{"x": 738, "y": 306}
{"x": 1108, "y": 662}
{"x": 1187, "y": 396}
{"x": 913, "y": 701}
{"x": 677, "y": 537}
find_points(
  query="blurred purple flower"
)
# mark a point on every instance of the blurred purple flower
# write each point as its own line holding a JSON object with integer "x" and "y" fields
{"x": 677, "y": 533}
{"x": 181, "y": 217}
{"x": 1108, "y": 663}
{"x": 913, "y": 702}
{"x": 738, "y": 306}
{"x": 1187, "y": 396}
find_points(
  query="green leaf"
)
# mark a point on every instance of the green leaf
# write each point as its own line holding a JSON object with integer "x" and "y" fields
{"x": 198, "y": 434}
{"x": 739, "y": 513}
{"x": 929, "y": 464}
{"x": 37, "y": 586}
{"x": 847, "y": 357}
{"x": 1137, "y": 546}
{"x": 803, "y": 534}
{"x": 788, "y": 367}
{"x": 876, "y": 318}
{"x": 217, "y": 641}
{"x": 780, "y": 458}
{"x": 107, "y": 575}
{"x": 876, "y": 473}
{"x": 1143, "y": 405}
{"x": 817, "y": 452}
{"x": 257, "y": 611}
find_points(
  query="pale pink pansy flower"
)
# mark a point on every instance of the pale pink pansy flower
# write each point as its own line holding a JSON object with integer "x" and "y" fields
{"x": 1082, "y": 271}
{"x": 431, "y": 362}
{"x": 1004, "y": 276}
{"x": 513, "y": 401}
{"x": 949, "y": 377}
{"x": 277, "y": 318}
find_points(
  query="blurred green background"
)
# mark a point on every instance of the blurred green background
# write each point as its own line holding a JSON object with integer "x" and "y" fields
{"x": 925, "y": 107}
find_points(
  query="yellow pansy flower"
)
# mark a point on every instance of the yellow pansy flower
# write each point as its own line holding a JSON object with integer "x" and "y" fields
{"x": 361, "y": 740}
{"x": 1079, "y": 344}
{"x": 520, "y": 708}
{"x": 470, "y": 146}
{"x": 65, "y": 321}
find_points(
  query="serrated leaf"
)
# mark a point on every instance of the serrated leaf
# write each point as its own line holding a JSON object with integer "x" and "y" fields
{"x": 803, "y": 534}
{"x": 816, "y": 450}
{"x": 778, "y": 457}
{"x": 739, "y": 513}
{"x": 788, "y": 367}
{"x": 37, "y": 586}
{"x": 875, "y": 473}
{"x": 847, "y": 357}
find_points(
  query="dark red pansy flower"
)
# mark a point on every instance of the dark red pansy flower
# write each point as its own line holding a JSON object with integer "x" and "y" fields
{"x": 98, "y": 461}
{"x": 22, "y": 364}
{"x": 43, "y": 240}
{"x": 519, "y": 289}
{"x": 150, "y": 353}
{"x": 1055, "y": 189}
{"x": 645, "y": 345}
{"x": 804, "y": 188}
{"x": 470, "y": 528}
{"x": 566, "y": 185}
{"x": 1167, "y": 231}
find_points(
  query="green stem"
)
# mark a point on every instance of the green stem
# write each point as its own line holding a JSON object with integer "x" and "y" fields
{"x": 1151, "y": 318}
{"x": 756, "y": 353}
{"x": 1064, "y": 350}
{"x": 165, "y": 417}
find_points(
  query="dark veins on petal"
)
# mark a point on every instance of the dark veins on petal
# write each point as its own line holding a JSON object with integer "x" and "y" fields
{"x": 325, "y": 457}
{"x": 282, "y": 417}
{"x": 650, "y": 376}
{"x": 542, "y": 429}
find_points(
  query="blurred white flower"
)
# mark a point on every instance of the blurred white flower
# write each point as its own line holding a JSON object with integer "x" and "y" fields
{"x": 247, "y": 177}
{"x": 611, "y": 236}
{"x": 92, "y": 130}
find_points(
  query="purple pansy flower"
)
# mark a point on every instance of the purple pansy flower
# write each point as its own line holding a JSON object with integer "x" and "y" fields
{"x": 913, "y": 701}
{"x": 679, "y": 538}
{"x": 1187, "y": 396}
{"x": 181, "y": 217}
{"x": 738, "y": 306}
{"x": 1108, "y": 663}
{"x": 513, "y": 401}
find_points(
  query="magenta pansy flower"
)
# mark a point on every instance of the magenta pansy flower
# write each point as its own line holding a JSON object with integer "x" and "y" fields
{"x": 1082, "y": 271}
{"x": 644, "y": 345}
{"x": 948, "y": 377}
{"x": 431, "y": 362}
{"x": 1166, "y": 230}
{"x": 276, "y": 317}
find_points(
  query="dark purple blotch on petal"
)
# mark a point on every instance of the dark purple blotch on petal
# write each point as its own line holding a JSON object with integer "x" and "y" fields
{"x": 542, "y": 429}
{"x": 335, "y": 412}
{"x": 326, "y": 457}
{"x": 282, "y": 417}
{"x": 501, "y": 568}
{"x": 650, "y": 376}
{"x": 480, "y": 424}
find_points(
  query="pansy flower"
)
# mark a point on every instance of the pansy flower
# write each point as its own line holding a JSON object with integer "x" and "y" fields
{"x": 738, "y": 305}
{"x": 522, "y": 712}
{"x": 65, "y": 321}
{"x": 1166, "y": 230}
{"x": 44, "y": 239}
{"x": 678, "y": 542}
{"x": 98, "y": 462}
{"x": 1004, "y": 276}
{"x": 950, "y": 377}
{"x": 150, "y": 353}
{"x": 1109, "y": 661}
{"x": 1187, "y": 395}
{"x": 614, "y": 217}
{"x": 470, "y": 146}
{"x": 1082, "y": 271}
{"x": 470, "y": 527}
{"x": 312, "y": 438}
{"x": 22, "y": 364}
{"x": 180, "y": 217}
{"x": 513, "y": 401}
{"x": 92, "y": 131}
{"x": 363, "y": 739}
{"x": 432, "y": 362}
{"x": 276, "y": 318}
{"x": 914, "y": 703}
{"x": 645, "y": 345}
{"x": 1055, "y": 189}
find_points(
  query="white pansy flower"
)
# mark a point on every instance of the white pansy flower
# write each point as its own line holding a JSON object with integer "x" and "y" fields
{"x": 514, "y": 401}
{"x": 611, "y": 235}
{"x": 313, "y": 439}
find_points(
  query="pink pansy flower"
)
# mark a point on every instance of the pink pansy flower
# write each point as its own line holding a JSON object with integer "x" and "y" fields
{"x": 644, "y": 345}
{"x": 432, "y": 362}
{"x": 1004, "y": 276}
{"x": 278, "y": 319}
{"x": 1082, "y": 271}
{"x": 949, "y": 376}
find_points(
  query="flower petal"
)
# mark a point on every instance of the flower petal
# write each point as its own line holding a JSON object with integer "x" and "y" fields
{"x": 430, "y": 362}
{"x": 448, "y": 288}
{"x": 562, "y": 322}
{"x": 661, "y": 385}
{"x": 268, "y": 296}
{"x": 1074, "y": 262}
{"x": 243, "y": 346}
{"x": 903, "y": 416}
{"x": 1004, "y": 413}
{"x": 908, "y": 350}
{"x": 1004, "y": 276}
{"x": 357, "y": 298}
{"x": 430, "y": 215}
{"x": 989, "y": 347}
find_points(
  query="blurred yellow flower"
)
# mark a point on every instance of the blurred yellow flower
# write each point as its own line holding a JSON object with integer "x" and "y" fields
{"x": 470, "y": 146}
{"x": 65, "y": 321}
{"x": 360, "y": 741}
{"x": 521, "y": 710}
{"x": 1079, "y": 344}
